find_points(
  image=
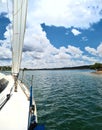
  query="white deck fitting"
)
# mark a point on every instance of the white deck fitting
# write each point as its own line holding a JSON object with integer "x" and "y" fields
{"x": 14, "y": 114}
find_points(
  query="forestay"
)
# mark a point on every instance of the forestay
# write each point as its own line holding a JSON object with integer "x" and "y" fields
{"x": 19, "y": 23}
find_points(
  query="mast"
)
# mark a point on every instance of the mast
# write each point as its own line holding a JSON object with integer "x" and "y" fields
{"x": 19, "y": 25}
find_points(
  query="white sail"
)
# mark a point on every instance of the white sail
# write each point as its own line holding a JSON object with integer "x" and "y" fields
{"x": 19, "y": 23}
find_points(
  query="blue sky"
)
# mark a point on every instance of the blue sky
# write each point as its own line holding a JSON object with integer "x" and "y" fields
{"x": 59, "y": 33}
{"x": 3, "y": 23}
{"x": 60, "y": 36}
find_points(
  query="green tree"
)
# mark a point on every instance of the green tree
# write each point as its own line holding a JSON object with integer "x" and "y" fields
{"x": 96, "y": 66}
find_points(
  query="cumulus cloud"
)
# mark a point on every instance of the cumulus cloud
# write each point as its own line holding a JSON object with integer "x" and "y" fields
{"x": 38, "y": 52}
{"x": 78, "y": 14}
{"x": 89, "y": 59}
{"x": 99, "y": 50}
{"x": 5, "y": 48}
{"x": 62, "y": 55}
{"x": 74, "y": 51}
{"x": 6, "y": 8}
{"x": 5, "y": 53}
{"x": 93, "y": 51}
{"x": 3, "y": 6}
{"x": 75, "y": 32}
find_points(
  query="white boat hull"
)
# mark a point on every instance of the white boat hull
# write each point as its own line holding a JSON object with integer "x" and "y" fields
{"x": 14, "y": 114}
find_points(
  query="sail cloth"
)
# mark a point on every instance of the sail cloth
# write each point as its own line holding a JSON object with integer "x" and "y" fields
{"x": 19, "y": 25}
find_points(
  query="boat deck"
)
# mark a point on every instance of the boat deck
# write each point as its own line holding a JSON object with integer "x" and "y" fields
{"x": 14, "y": 114}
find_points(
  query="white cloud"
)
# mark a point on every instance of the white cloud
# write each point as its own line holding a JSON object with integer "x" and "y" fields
{"x": 99, "y": 50}
{"x": 4, "y": 1}
{"x": 6, "y": 8}
{"x": 65, "y": 13}
{"x": 3, "y": 6}
{"x": 74, "y": 51}
{"x": 93, "y": 51}
{"x": 89, "y": 59}
{"x": 5, "y": 49}
{"x": 75, "y": 32}
{"x": 38, "y": 51}
{"x": 5, "y": 53}
{"x": 62, "y": 55}
{"x": 79, "y": 14}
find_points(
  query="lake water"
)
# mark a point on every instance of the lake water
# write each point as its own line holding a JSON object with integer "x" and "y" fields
{"x": 67, "y": 100}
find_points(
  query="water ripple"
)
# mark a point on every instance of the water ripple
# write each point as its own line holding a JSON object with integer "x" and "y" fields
{"x": 68, "y": 100}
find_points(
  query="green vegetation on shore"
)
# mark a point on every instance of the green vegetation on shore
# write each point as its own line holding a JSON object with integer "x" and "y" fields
{"x": 5, "y": 68}
{"x": 96, "y": 66}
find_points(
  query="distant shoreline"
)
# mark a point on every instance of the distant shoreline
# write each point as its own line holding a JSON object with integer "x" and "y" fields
{"x": 7, "y": 68}
{"x": 89, "y": 67}
{"x": 64, "y": 68}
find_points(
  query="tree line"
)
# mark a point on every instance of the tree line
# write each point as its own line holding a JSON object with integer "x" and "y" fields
{"x": 5, "y": 68}
{"x": 96, "y": 66}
